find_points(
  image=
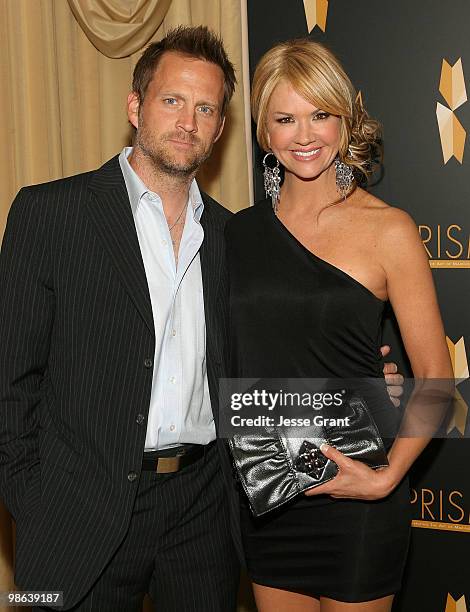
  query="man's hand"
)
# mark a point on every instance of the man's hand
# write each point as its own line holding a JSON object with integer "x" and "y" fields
{"x": 393, "y": 378}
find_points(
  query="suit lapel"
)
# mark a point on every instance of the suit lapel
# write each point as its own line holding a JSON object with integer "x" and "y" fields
{"x": 110, "y": 211}
{"x": 211, "y": 262}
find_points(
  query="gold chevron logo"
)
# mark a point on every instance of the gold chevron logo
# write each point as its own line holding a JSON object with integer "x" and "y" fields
{"x": 459, "y": 417}
{"x": 455, "y": 605}
{"x": 452, "y": 134}
{"x": 453, "y": 90}
{"x": 458, "y": 356}
{"x": 452, "y": 85}
{"x": 316, "y": 12}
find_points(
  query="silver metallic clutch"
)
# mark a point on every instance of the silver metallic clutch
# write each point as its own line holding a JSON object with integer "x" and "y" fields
{"x": 276, "y": 465}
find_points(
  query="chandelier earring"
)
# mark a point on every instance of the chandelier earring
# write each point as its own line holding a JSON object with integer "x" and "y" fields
{"x": 272, "y": 181}
{"x": 344, "y": 176}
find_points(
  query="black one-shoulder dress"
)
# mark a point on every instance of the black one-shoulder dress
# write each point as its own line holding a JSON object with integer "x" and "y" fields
{"x": 294, "y": 315}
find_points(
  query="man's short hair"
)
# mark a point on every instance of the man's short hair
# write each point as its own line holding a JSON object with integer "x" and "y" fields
{"x": 198, "y": 42}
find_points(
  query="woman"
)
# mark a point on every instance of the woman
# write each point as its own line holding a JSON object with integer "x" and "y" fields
{"x": 311, "y": 271}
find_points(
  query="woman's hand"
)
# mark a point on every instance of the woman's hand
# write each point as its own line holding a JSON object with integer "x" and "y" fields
{"x": 355, "y": 480}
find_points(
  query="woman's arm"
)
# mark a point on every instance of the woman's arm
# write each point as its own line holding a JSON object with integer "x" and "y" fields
{"x": 411, "y": 292}
{"x": 413, "y": 297}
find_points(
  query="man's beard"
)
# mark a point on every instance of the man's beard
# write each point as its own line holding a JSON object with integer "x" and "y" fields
{"x": 162, "y": 157}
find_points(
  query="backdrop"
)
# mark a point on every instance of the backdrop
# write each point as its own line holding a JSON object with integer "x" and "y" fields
{"x": 409, "y": 61}
{"x": 61, "y": 112}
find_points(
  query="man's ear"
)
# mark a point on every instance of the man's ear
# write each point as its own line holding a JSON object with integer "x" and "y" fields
{"x": 133, "y": 105}
{"x": 221, "y": 129}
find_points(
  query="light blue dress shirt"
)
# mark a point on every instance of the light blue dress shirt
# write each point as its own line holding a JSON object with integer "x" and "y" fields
{"x": 180, "y": 409}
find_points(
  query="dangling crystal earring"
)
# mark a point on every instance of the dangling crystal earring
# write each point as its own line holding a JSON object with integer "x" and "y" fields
{"x": 344, "y": 177}
{"x": 272, "y": 181}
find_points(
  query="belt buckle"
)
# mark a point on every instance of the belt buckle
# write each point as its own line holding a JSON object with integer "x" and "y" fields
{"x": 168, "y": 465}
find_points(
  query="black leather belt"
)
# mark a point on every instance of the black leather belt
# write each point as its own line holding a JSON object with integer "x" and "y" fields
{"x": 174, "y": 459}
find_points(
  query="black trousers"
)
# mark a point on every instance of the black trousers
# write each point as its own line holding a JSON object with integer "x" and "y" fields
{"x": 178, "y": 547}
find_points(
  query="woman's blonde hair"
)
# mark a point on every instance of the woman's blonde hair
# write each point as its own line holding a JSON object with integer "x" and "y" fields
{"x": 317, "y": 75}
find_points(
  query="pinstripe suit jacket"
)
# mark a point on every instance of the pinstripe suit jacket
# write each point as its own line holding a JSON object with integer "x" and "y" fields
{"x": 76, "y": 334}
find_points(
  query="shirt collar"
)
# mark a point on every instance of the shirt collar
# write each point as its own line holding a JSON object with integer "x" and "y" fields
{"x": 136, "y": 187}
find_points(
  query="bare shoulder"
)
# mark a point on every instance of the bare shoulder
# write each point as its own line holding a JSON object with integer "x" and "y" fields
{"x": 368, "y": 202}
{"x": 391, "y": 223}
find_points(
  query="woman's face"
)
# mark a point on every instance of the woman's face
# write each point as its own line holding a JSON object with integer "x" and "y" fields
{"x": 305, "y": 139}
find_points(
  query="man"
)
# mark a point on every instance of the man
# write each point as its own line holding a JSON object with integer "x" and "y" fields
{"x": 113, "y": 312}
{"x": 113, "y": 320}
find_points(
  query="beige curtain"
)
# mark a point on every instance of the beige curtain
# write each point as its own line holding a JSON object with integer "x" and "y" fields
{"x": 66, "y": 68}
{"x": 119, "y": 28}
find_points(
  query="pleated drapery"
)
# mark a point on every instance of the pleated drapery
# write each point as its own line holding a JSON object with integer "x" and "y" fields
{"x": 119, "y": 28}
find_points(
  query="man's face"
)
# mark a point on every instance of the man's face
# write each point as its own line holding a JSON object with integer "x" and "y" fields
{"x": 180, "y": 117}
